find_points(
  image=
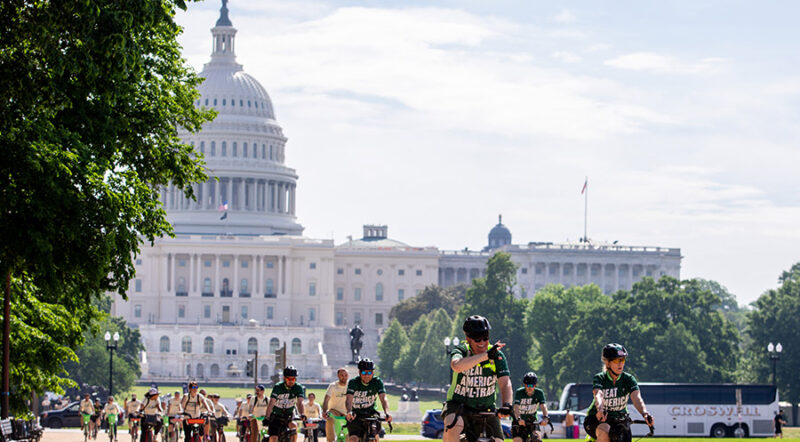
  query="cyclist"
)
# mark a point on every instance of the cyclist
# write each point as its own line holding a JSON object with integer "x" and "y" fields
{"x": 258, "y": 408}
{"x": 334, "y": 403}
{"x": 221, "y": 416}
{"x": 174, "y": 409}
{"x": 611, "y": 389}
{"x": 241, "y": 414}
{"x": 132, "y": 410}
{"x": 527, "y": 400}
{"x": 194, "y": 404}
{"x": 284, "y": 397}
{"x": 87, "y": 407}
{"x": 112, "y": 409}
{"x": 360, "y": 403}
{"x": 479, "y": 368}
{"x": 97, "y": 416}
{"x": 151, "y": 407}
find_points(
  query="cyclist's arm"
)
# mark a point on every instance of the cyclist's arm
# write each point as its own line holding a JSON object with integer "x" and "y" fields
{"x": 516, "y": 412}
{"x": 270, "y": 406}
{"x": 638, "y": 403}
{"x": 599, "y": 403}
{"x": 544, "y": 411}
{"x": 225, "y": 412}
{"x": 461, "y": 364}
{"x": 348, "y": 403}
{"x": 325, "y": 406}
{"x": 300, "y": 408}
{"x": 506, "y": 392}
{"x": 384, "y": 403}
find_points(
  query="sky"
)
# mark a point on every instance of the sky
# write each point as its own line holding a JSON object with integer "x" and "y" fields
{"x": 435, "y": 117}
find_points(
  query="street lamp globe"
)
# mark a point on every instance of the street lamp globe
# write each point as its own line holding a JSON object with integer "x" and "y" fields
{"x": 455, "y": 341}
{"x": 779, "y": 347}
{"x": 116, "y": 336}
{"x": 447, "y": 341}
{"x": 108, "y": 336}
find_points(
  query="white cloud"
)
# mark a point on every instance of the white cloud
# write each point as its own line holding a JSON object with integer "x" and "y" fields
{"x": 567, "y": 57}
{"x": 565, "y": 16}
{"x": 648, "y": 61}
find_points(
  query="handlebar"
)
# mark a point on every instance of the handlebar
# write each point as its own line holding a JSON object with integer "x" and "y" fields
{"x": 644, "y": 422}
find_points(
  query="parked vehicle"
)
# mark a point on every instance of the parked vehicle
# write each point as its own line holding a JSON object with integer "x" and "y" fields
{"x": 433, "y": 426}
{"x": 557, "y": 419}
{"x": 68, "y": 416}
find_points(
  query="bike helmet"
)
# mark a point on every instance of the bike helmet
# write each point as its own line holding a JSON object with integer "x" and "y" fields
{"x": 614, "y": 351}
{"x": 530, "y": 378}
{"x": 366, "y": 364}
{"x": 290, "y": 371}
{"x": 476, "y": 325}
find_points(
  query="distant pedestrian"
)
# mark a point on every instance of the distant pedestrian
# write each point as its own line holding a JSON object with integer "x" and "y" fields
{"x": 569, "y": 425}
{"x": 779, "y": 423}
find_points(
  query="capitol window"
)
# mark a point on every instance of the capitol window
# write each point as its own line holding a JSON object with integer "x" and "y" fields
{"x": 274, "y": 343}
{"x": 312, "y": 289}
{"x": 312, "y": 315}
{"x": 139, "y": 262}
{"x": 164, "y": 344}
{"x": 254, "y": 150}
{"x": 181, "y": 311}
{"x": 244, "y": 312}
{"x": 401, "y": 294}
{"x": 215, "y": 102}
{"x": 270, "y": 264}
{"x": 244, "y": 150}
{"x": 233, "y": 102}
{"x": 245, "y": 264}
{"x": 378, "y": 319}
{"x": 207, "y": 286}
{"x": 235, "y": 150}
{"x": 241, "y": 102}
{"x": 270, "y": 313}
{"x": 357, "y": 318}
{"x": 186, "y": 344}
{"x": 524, "y": 270}
{"x": 380, "y": 272}
{"x": 340, "y": 271}
{"x": 207, "y": 311}
{"x": 138, "y": 285}
{"x": 296, "y": 346}
{"x": 339, "y": 294}
{"x": 419, "y": 272}
{"x": 181, "y": 263}
{"x": 263, "y": 151}
{"x": 379, "y": 292}
{"x": 208, "y": 345}
{"x": 207, "y": 263}
{"x": 223, "y": 102}
{"x": 358, "y": 271}
{"x": 202, "y": 147}
{"x": 252, "y": 346}
{"x": 270, "y": 289}
{"x": 226, "y": 263}
{"x": 312, "y": 265}
{"x": 357, "y": 294}
{"x": 137, "y": 311}
{"x": 213, "y": 148}
{"x": 224, "y": 149}
{"x": 401, "y": 272}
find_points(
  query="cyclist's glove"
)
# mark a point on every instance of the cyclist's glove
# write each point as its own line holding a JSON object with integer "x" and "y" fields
{"x": 506, "y": 409}
{"x": 648, "y": 418}
{"x": 303, "y": 418}
{"x": 493, "y": 353}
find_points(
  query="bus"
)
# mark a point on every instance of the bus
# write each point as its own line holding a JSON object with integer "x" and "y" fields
{"x": 716, "y": 410}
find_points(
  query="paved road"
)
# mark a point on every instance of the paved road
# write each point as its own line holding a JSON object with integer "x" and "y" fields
{"x": 75, "y": 435}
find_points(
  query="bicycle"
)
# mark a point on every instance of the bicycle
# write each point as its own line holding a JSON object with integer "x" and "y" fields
{"x": 133, "y": 429}
{"x": 310, "y": 430}
{"x": 112, "y": 427}
{"x": 372, "y": 428}
{"x": 339, "y": 423}
{"x": 483, "y": 436}
{"x": 218, "y": 428}
{"x": 148, "y": 426}
{"x": 620, "y": 430}
{"x": 243, "y": 429}
{"x": 86, "y": 419}
{"x": 196, "y": 424}
{"x": 532, "y": 426}
{"x": 174, "y": 428}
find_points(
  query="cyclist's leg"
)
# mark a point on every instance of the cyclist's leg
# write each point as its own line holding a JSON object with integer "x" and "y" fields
{"x": 355, "y": 429}
{"x": 293, "y": 426}
{"x": 453, "y": 425}
{"x": 494, "y": 429}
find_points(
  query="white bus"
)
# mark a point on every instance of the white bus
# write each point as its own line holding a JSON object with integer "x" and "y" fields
{"x": 694, "y": 409}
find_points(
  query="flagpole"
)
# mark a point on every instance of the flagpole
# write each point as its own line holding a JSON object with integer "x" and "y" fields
{"x": 585, "y": 210}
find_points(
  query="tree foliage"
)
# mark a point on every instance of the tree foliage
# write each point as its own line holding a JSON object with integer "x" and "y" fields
{"x": 432, "y": 362}
{"x": 94, "y": 94}
{"x": 405, "y": 365}
{"x": 493, "y": 297}
{"x": 393, "y": 341}
{"x": 776, "y": 318}
{"x": 429, "y": 300}
{"x": 671, "y": 330}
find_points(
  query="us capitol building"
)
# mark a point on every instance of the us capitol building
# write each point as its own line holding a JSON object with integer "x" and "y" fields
{"x": 222, "y": 289}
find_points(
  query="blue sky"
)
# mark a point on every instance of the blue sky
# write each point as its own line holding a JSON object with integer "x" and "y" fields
{"x": 434, "y": 117}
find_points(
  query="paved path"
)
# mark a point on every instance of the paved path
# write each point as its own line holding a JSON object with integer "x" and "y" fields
{"x": 75, "y": 435}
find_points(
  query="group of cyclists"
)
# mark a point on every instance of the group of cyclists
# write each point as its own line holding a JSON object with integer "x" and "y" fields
{"x": 479, "y": 370}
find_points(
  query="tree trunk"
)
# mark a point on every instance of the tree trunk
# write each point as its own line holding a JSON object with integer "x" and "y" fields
{"x": 6, "y": 345}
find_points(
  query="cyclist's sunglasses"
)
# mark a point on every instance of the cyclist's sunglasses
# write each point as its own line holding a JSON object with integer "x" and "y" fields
{"x": 530, "y": 385}
{"x": 618, "y": 360}
{"x": 366, "y": 373}
{"x": 194, "y": 387}
{"x": 480, "y": 337}
{"x": 290, "y": 378}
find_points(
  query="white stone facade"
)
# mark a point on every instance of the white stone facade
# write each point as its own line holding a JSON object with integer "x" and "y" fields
{"x": 224, "y": 288}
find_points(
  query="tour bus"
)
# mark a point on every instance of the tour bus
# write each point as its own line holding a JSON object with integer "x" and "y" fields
{"x": 718, "y": 410}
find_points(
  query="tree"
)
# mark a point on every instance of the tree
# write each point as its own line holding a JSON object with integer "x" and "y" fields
{"x": 776, "y": 318}
{"x": 432, "y": 363}
{"x": 393, "y": 341}
{"x": 429, "y": 300}
{"x": 493, "y": 297}
{"x": 404, "y": 367}
{"x": 93, "y": 357}
{"x": 727, "y": 302}
{"x": 94, "y": 94}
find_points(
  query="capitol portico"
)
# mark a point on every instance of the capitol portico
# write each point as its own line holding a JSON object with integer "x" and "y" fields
{"x": 239, "y": 277}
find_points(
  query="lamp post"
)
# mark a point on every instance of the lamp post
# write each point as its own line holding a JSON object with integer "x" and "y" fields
{"x": 774, "y": 355}
{"x": 111, "y": 347}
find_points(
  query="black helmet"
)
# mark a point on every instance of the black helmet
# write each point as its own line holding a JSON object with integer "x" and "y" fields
{"x": 614, "y": 351}
{"x": 366, "y": 364}
{"x": 476, "y": 325}
{"x": 290, "y": 371}
{"x": 530, "y": 378}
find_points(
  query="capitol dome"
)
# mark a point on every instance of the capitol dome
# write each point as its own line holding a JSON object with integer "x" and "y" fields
{"x": 499, "y": 236}
{"x": 252, "y": 190}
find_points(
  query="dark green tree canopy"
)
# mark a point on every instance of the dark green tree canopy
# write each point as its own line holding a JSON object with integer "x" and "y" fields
{"x": 94, "y": 93}
{"x": 429, "y": 300}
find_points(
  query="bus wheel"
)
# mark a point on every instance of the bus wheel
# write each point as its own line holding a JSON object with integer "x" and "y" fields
{"x": 719, "y": 430}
